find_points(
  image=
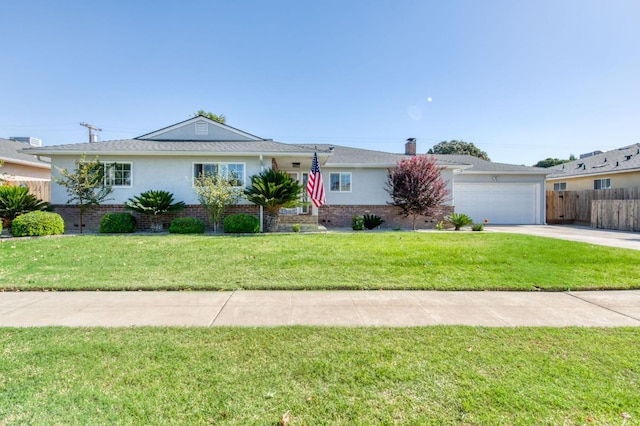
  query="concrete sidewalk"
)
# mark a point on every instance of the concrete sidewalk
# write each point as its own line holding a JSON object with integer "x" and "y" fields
{"x": 327, "y": 308}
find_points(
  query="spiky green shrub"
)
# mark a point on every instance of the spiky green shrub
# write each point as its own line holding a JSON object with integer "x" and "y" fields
{"x": 117, "y": 223}
{"x": 477, "y": 227}
{"x": 38, "y": 223}
{"x": 186, "y": 225}
{"x": 274, "y": 190}
{"x": 458, "y": 220}
{"x": 241, "y": 223}
{"x": 154, "y": 203}
{"x": 16, "y": 200}
{"x": 372, "y": 221}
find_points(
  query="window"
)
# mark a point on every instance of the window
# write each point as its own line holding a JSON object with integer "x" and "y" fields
{"x": 117, "y": 174}
{"x": 602, "y": 183}
{"x": 560, "y": 186}
{"x": 340, "y": 182}
{"x": 225, "y": 170}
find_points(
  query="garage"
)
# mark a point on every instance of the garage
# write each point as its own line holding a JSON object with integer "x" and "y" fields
{"x": 499, "y": 203}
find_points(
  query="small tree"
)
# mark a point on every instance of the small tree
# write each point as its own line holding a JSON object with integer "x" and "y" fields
{"x": 215, "y": 193}
{"x": 274, "y": 190}
{"x": 85, "y": 184}
{"x": 416, "y": 186}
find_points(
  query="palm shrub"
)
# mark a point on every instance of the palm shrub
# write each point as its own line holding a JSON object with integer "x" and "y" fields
{"x": 16, "y": 200}
{"x": 458, "y": 220}
{"x": 155, "y": 204}
{"x": 273, "y": 190}
{"x": 38, "y": 223}
{"x": 372, "y": 221}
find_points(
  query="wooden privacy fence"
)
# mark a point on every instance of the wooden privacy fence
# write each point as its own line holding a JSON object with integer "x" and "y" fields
{"x": 623, "y": 215}
{"x": 577, "y": 206}
{"x": 39, "y": 188}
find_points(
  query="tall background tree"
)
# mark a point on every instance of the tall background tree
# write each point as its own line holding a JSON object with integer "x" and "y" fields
{"x": 416, "y": 186}
{"x": 85, "y": 185}
{"x": 459, "y": 148}
{"x": 550, "y": 162}
{"x": 215, "y": 117}
{"x": 215, "y": 193}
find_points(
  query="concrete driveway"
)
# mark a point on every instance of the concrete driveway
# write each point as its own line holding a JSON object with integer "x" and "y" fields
{"x": 584, "y": 234}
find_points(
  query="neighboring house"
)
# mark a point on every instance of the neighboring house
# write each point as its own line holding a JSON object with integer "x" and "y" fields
{"x": 29, "y": 170}
{"x": 18, "y": 166}
{"x": 355, "y": 179}
{"x": 619, "y": 168}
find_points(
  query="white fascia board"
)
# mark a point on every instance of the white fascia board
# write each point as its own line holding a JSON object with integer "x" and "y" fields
{"x": 587, "y": 175}
{"x": 506, "y": 172}
{"x": 382, "y": 166}
{"x": 25, "y": 163}
{"x": 174, "y": 153}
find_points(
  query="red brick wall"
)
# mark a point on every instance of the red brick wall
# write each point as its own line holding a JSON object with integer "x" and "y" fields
{"x": 333, "y": 216}
{"x": 91, "y": 219}
{"x": 340, "y": 216}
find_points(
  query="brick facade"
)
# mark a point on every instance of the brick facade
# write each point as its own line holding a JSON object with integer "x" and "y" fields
{"x": 332, "y": 216}
{"x": 91, "y": 219}
{"x": 341, "y": 216}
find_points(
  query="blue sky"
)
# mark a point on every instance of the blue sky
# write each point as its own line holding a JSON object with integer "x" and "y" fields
{"x": 523, "y": 80}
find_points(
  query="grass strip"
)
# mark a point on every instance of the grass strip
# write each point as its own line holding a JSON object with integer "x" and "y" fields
{"x": 244, "y": 376}
{"x": 401, "y": 260}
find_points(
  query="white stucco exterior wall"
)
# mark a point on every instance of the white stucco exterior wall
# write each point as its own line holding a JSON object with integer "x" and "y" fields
{"x": 173, "y": 174}
{"x": 368, "y": 186}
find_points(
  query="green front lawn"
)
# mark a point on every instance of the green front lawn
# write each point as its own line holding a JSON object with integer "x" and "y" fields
{"x": 393, "y": 260}
{"x": 354, "y": 376}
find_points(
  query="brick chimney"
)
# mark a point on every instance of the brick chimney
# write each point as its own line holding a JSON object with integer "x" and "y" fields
{"x": 410, "y": 147}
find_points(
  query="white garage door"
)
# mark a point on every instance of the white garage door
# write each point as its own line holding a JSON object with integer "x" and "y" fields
{"x": 499, "y": 203}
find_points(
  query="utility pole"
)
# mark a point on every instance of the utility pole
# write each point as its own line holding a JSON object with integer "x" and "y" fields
{"x": 91, "y": 129}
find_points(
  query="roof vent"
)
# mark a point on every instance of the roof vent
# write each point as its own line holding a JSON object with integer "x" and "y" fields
{"x": 628, "y": 157}
{"x": 202, "y": 128}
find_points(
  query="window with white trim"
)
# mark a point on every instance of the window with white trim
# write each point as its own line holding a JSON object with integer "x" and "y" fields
{"x": 117, "y": 174}
{"x": 340, "y": 182}
{"x": 560, "y": 186}
{"x": 602, "y": 183}
{"x": 234, "y": 171}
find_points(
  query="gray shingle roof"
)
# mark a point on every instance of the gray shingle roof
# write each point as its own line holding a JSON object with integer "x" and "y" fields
{"x": 482, "y": 166}
{"x": 619, "y": 160}
{"x": 343, "y": 155}
{"x": 10, "y": 150}
{"x": 142, "y": 147}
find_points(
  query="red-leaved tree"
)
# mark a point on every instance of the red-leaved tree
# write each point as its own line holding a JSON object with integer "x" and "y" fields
{"x": 416, "y": 186}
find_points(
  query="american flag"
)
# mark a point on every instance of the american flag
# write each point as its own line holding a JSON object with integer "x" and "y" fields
{"x": 315, "y": 186}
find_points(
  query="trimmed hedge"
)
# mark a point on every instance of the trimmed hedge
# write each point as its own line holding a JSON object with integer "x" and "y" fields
{"x": 241, "y": 223}
{"x": 186, "y": 225}
{"x": 117, "y": 223}
{"x": 37, "y": 224}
